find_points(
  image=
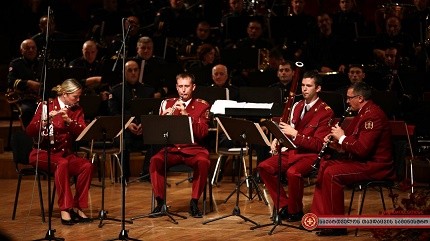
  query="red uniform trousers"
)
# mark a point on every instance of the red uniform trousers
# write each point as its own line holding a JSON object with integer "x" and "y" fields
{"x": 333, "y": 176}
{"x": 295, "y": 169}
{"x": 199, "y": 162}
{"x": 64, "y": 168}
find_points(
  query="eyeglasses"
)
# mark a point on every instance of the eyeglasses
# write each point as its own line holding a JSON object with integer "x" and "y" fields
{"x": 351, "y": 97}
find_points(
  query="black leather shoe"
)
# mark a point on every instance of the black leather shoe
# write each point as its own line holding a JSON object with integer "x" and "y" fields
{"x": 283, "y": 213}
{"x": 332, "y": 232}
{"x": 78, "y": 219}
{"x": 69, "y": 222}
{"x": 294, "y": 217}
{"x": 156, "y": 212}
{"x": 194, "y": 210}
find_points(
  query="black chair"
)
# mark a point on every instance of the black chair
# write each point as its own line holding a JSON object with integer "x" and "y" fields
{"x": 371, "y": 184}
{"x": 398, "y": 129}
{"x": 21, "y": 147}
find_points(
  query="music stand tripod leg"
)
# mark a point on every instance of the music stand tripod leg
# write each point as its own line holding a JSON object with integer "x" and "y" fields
{"x": 103, "y": 213}
{"x": 277, "y": 221}
{"x": 236, "y": 209}
{"x": 164, "y": 209}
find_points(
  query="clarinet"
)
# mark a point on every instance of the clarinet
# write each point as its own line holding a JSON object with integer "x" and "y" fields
{"x": 316, "y": 164}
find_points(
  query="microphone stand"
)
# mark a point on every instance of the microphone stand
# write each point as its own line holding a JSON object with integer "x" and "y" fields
{"x": 50, "y": 234}
{"x": 122, "y": 48}
{"x": 123, "y": 235}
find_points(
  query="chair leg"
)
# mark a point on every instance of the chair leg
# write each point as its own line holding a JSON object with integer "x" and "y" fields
{"x": 42, "y": 208}
{"x": 412, "y": 176}
{"x": 216, "y": 171}
{"x": 204, "y": 199}
{"x": 245, "y": 172}
{"x": 361, "y": 205}
{"x": 392, "y": 197}
{"x": 382, "y": 198}
{"x": 352, "y": 199}
{"x": 15, "y": 204}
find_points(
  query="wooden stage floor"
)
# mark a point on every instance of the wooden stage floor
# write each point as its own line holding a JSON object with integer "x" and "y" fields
{"x": 28, "y": 224}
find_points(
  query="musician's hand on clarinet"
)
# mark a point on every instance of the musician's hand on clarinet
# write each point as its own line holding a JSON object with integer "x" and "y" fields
{"x": 337, "y": 132}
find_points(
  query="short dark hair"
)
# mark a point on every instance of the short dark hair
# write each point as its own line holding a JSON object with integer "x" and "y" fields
{"x": 360, "y": 66}
{"x": 186, "y": 75}
{"x": 361, "y": 88}
{"x": 313, "y": 74}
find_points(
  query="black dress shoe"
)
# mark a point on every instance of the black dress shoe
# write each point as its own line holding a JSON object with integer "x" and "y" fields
{"x": 156, "y": 212}
{"x": 332, "y": 232}
{"x": 78, "y": 219}
{"x": 194, "y": 210}
{"x": 283, "y": 213}
{"x": 69, "y": 222}
{"x": 294, "y": 217}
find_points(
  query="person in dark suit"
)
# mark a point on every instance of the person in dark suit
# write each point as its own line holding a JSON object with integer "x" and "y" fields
{"x": 194, "y": 155}
{"x": 133, "y": 89}
{"x": 366, "y": 147}
{"x": 24, "y": 81}
{"x": 66, "y": 122}
{"x": 308, "y": 125}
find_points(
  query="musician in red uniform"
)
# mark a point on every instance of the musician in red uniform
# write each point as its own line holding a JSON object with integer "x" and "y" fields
{"x": 309, "y": 124}
{"x": 194, "y": 155}
{"x": 66, "y": 122}
{"x": 366, "y": 145}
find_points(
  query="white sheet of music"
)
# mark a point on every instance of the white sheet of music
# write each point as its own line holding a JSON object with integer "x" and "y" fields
{"x": 219, "y": 106}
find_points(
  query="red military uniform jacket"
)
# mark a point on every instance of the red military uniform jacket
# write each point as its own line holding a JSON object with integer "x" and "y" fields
{"x": 368, "y": 139}
{"x": 312, "y": 128}
{"x": 64, "y": 135}
{"x": 198, "y": 110}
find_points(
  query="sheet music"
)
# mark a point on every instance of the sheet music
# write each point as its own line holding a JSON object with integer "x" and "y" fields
{"x": 220, "y": 105}
{"x": 94, "y": 121}
{"x": 263, "y": 135}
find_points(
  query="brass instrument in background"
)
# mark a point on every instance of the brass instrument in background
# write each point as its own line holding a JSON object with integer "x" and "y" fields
{"x": 263, "y": 59}
{"x": 12, "y": 96}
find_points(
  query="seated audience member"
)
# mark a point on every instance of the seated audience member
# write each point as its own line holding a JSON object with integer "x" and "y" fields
{"x": 24, "y": 81}
{"x": 202, "y": 69}
{"x": 133, "y": 89}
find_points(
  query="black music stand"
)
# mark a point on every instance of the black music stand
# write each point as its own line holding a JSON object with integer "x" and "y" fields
{"x": 166, "y": 130}
{"x": 283, "y": 141}
{"x": 144, "y": 106}
{"x": 104, "y": 127}
{"x": 242, "y": 131}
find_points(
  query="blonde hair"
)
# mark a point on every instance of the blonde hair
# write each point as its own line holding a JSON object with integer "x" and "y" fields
{"x": 67, "y": 87}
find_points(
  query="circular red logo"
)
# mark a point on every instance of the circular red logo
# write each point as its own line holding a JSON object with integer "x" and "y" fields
{"x": 309, "y": 221}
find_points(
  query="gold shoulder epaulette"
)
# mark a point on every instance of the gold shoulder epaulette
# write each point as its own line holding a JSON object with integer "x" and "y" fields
{"x": 202, "y": 101}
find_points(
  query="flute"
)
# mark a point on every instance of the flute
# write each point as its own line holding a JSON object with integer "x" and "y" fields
{"x": 174, "y": 108}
